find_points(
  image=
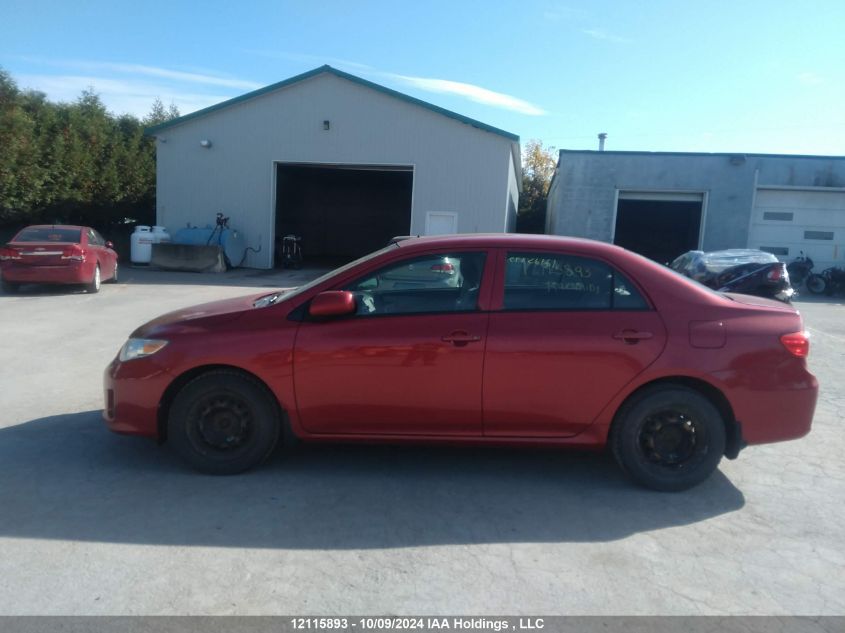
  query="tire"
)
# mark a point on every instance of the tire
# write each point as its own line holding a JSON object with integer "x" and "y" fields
{"x": 223, "y": 423}
{"x": 93, "y": 286}
{"x": 816, "y": 284}
{"x": 668, "y": 438}
{"x": 10, "y": 287}
{"x": 113, "y": 279}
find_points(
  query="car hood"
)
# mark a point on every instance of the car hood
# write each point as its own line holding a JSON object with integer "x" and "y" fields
{"x": 200, "y": 317}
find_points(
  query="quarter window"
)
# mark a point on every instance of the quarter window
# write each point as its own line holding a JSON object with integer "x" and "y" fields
{"x": 426, "y": 284}
{"x": 545, "y": 281}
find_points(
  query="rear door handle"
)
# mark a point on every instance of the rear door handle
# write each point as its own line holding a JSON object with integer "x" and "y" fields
{"x": 460, "y": 337}
{"x": 632, "y": 336}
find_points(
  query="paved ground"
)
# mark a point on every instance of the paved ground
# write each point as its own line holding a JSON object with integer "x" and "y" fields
{"x": 92, "y": 523}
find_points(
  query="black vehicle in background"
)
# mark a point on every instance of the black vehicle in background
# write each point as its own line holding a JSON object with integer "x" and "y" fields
{"x": 745, "y": 271}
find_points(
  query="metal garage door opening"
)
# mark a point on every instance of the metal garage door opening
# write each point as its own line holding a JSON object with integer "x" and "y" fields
{"x": 342, "y": 211}
{"x": 660, "y": 227}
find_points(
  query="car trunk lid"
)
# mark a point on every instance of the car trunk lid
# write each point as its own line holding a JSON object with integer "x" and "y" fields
{"x": 43, "y": 253}
{"x": 761, "y": 302}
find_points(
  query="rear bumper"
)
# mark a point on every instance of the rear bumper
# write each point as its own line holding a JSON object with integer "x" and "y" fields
{"x": 775, "y": 415}
{"x": 69, "y": 273}
{"x": 132, "y": 393}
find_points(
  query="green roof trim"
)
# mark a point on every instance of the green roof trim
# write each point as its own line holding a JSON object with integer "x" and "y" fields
{"x": 150, "y": 131}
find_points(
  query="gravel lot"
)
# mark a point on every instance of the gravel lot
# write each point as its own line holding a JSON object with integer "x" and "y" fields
{"x": 93, "y": 523}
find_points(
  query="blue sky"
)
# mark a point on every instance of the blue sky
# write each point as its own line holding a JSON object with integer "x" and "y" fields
{"x": 681, "y": 75}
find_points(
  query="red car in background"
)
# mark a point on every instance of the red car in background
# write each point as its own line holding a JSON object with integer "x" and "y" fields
{"x": 57, "y": 254}
{"x": 536, "y": 340}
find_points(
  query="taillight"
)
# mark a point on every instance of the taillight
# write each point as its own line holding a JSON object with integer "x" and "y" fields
{"x": 775, "y": 274}
{"x": 797, "y": 343}
{"x": 7, "y": 254}
{"x": 446, "y": 269}
{"x": 75, "y": 252}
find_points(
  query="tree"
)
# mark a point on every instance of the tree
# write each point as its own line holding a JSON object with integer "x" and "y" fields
{"x": 159, "y": 114}
{"x": 538, "y": 167}
{"x": 73, "y": 162}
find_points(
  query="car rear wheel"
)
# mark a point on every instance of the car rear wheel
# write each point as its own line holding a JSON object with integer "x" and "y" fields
{"x": 223, "y": 423}
{"x": 94, "y": 285}
{"x": 10, "y": 287}
{"x": 114, "y": 274}
{"x": 668, "y": 438}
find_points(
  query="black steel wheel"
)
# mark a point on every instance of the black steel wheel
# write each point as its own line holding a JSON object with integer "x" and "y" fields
{"x": 668, "y": 438}
{"x": 816, "y": 284}
{"x": 224, "y": 422}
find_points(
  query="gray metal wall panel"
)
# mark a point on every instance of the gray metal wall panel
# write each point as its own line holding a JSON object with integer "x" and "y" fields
{"x": 583, "y": 195}
{"x": 456, "y": 167}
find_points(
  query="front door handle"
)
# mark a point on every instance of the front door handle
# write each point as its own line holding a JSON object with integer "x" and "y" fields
{"x": 632, "y": 336}
{"x": 460, "y": 338}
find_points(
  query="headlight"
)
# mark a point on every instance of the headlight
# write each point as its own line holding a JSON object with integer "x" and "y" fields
{"x": 140, "y": 347}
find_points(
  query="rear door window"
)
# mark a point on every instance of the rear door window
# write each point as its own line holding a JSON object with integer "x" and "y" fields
{"x": 549, "y": 281}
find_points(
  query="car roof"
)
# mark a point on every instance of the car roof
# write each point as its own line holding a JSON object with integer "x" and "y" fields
{"x": 659, "y": 279}
{"x": 53, "y": 226}
{"x": 508, "y": 240}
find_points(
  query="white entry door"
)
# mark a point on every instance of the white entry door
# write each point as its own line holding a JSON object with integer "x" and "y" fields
{"x": 441, "y": 223}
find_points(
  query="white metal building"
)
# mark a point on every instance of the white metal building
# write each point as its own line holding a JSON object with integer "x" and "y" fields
{"x": 342, "y": 161}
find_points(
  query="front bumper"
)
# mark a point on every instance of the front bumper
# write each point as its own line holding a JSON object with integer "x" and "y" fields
{"x": 133, "y": 392}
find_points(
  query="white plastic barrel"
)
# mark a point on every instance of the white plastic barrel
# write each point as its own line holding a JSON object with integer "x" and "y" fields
{"x": 160, "y": 235}
{"x": 141, "y": 245}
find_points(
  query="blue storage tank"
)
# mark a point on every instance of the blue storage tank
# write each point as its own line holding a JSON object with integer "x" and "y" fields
{"x": 232, "y": 240}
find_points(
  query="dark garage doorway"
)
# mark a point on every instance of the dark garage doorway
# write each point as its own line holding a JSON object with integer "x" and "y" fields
{"x": 658, "y": 229}
{"x": 342, "y": 211}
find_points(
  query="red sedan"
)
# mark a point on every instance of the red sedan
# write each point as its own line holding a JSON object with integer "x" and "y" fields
{"x": 521, "y": 340}
{"x": 57, "y": 254}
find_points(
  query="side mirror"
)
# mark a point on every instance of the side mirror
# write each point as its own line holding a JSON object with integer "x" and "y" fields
{"x": 332, "y": 303}
{"x": 110, "y": 245}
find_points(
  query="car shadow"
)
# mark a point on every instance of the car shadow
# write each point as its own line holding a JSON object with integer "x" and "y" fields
{"x": 47, "y": 290}
{"x": 67, "y": 477}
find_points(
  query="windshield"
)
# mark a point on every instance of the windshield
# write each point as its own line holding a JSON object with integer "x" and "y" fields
{"x": 337, "y": 271}
{"x": 49, "y": 234}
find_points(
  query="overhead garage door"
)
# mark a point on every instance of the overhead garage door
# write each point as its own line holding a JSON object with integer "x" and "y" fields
{"x": 342, "y": 211}
{"x": 658, "y": 225}
{"x": 788, "y": 221}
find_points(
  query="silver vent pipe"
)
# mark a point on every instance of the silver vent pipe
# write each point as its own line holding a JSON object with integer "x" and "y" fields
{"x": 602, "y": 137}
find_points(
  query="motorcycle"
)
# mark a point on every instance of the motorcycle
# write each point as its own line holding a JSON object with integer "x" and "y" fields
{"x": 829, "y": 282}
{"x": 800, "y": 269}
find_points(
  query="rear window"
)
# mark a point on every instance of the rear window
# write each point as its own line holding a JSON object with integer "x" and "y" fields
{"x": 49, "y": 234}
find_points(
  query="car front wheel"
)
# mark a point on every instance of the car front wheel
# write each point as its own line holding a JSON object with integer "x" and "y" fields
{"x": 668, "y": 438}
{"x": 223, "y": 422}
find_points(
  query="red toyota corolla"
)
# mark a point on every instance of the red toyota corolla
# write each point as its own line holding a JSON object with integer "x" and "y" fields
{"x": 475, "y": 339}
{"x": 57, "y": 254}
